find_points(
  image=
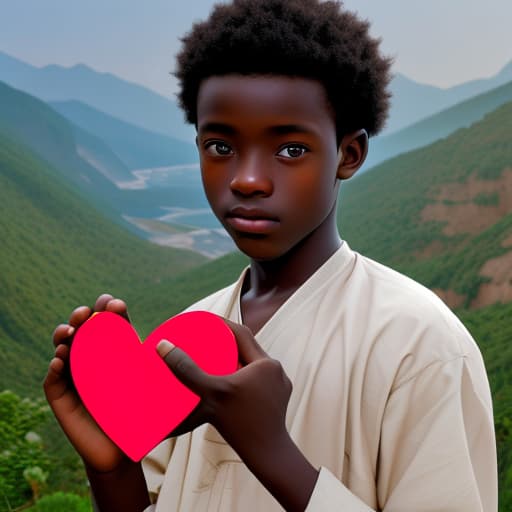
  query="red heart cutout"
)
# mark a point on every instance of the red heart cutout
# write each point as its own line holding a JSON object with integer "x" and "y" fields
{"x": 129, "y": 390}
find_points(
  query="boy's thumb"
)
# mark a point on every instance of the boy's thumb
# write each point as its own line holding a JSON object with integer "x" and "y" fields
{"x": 183, "y": 367}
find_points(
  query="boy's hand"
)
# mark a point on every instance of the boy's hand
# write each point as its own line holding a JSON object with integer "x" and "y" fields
{"x": 248, "y": 408}
{"x": 96, "y": 449}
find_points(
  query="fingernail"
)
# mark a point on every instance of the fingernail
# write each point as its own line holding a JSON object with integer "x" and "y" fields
{"x": 71, "y": 330}
{"x": 164, "y": 347}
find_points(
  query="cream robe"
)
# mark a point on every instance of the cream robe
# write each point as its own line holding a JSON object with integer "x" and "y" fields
{"x": 390, "y": 401}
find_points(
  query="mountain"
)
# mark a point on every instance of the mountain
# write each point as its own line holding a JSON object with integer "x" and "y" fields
{"x": 412, "y": 101}
{"x": 86, "y": 162}
{"x": 137, "y": 105}
{"x": 136, "y": 147}
{"x": 79, "y": 157}
{"x": 58, "y": 252}
{"x": 103, "y": 91}
{"x": 442, "y": 213}
{"x": 98, "y": 155}
{"x": 437, "y": 126}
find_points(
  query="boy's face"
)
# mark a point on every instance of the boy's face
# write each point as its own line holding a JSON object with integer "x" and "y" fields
{"x": 269, "y": 159}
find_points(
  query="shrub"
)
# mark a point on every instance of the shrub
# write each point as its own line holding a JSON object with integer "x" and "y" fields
{"x": 61, "y": 502}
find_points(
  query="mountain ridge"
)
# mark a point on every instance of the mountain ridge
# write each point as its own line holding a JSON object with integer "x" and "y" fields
{"x": 138, "y": 148}
{"x": 54, "y": 138}
{"x": 437, "y": 126}
{"x": 413, "y": 100}
{"x": 104, "y": 91}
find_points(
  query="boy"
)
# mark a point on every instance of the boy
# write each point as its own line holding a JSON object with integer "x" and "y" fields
{"x": 390, "y": 407}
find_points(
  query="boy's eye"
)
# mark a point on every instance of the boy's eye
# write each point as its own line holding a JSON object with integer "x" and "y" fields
{"x": 293, "y": 151}
{"x": 218, "y": 148}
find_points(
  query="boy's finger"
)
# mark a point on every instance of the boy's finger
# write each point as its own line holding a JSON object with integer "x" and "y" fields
{"x": 79, "y": 316}
{"x": 62, "y": 352}
{"x": 102, "y": 301}
{"x": 56, "y": 367}
{"x": 54, "y": 374}
{"x": 248, "y": 348}
{"x": 184, "y": 368}
{"x": 62, "y": 333}
{"x": 107, "y": 302}
{"x": 119, "y": 307}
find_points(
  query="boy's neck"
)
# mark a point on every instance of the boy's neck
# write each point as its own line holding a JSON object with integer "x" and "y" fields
{"x": 284, "y": 275}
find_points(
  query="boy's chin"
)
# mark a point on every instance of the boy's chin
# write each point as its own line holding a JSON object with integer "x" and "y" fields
{"x": 259, "y": 247}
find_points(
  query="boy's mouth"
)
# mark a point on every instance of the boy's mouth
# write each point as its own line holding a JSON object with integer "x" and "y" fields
{"x": 251, "y": 220}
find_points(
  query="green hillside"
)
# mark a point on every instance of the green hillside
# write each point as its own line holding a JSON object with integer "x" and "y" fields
{"x": 492, "y": 329}
{"x": 173, "y": 295}
{"x": 381, "y": 211}
{"x": 437, "y": 126}
{"x": 98, "y": 155}
{"x": 70, "y": 150}
{"x": 137, "y": 148}
{"x": 38, "y": 126}
{"x": 58, "y": 252}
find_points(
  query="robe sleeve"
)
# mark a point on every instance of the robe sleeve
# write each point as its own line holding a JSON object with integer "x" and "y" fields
{"x": 154, "y": 466}
{"x": 437, "y": 446}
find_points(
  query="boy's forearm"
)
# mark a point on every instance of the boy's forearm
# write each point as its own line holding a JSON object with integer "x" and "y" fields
{"x": 285, "y": 472}
{"x": 122, "y": 490}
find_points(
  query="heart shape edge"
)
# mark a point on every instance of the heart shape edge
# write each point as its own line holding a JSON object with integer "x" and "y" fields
{"x": 129, "y": 390}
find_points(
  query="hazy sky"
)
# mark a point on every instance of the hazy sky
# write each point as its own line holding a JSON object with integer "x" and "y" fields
{"x": 440, "y": 42}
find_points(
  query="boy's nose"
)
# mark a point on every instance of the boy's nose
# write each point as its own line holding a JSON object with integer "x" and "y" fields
{"x": 252, "y": 178}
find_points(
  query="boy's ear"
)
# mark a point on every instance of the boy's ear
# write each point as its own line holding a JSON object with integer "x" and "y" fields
{"x": 352, "y": 153}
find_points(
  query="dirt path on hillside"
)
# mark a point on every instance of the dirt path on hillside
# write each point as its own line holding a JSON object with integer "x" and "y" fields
{"x": 472, "y": 207}
{"x": 455, "y": 204}
{"x": 499, "y": 289}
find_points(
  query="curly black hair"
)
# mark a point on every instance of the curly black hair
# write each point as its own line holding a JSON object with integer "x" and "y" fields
{"x": 303, "y": 38}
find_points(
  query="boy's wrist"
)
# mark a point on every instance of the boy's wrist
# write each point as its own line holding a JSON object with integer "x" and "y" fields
{"x": 285, "y": 472}
{"x": 122, "y": 489}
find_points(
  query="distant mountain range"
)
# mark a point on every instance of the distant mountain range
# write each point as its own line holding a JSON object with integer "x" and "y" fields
{"x": 86, "y": 162}
{"x": 96, "y": 150}
{"x": 136, "y": 147}
{"x": 103, "y": 91}
{"x": 437, "y": 126}
{"x": 140, "y": 106}
{"x": 413, "y": 101}
{"x": 35, "y": 124}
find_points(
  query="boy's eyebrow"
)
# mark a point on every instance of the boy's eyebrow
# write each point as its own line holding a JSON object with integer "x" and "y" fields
{"x": 217, "y": 127}
{"x": 281, "y": 129}
{"x": 284, "y": 129}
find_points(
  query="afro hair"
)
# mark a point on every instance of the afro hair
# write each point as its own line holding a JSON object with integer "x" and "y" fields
{"x": 303, "y": 38}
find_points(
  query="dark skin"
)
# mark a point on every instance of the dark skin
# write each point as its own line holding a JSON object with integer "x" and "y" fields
{"x": 271, "y": 168}
{"x": 269, "y": 143}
